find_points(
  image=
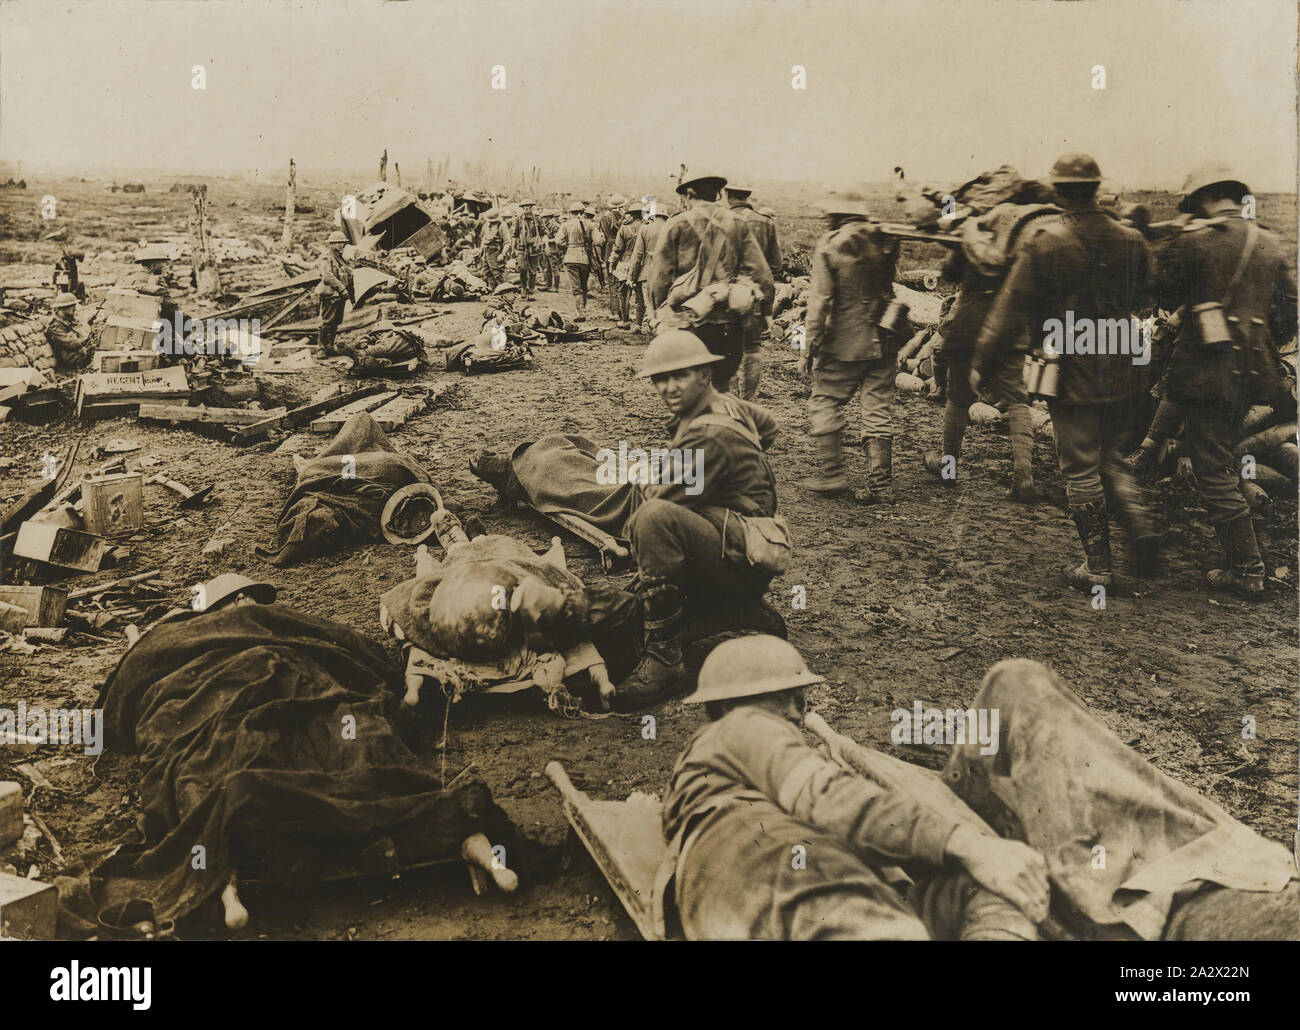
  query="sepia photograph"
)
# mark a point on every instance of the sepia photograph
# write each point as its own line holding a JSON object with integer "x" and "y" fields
{"x": 620, "y": 470}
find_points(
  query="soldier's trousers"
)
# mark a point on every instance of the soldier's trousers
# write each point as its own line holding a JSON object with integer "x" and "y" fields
{"x": 1005, "y": 382}
{"x": 757, "y": 873}
{"x": 528, "y": 272}
{"x": 550, "y": 272}
{"x": 670, "y": 541}
{"x": 578, "y": 283}
{"x": 613, "y": 291}
{"x": 492, "y": 268}
{"x": 1209, "y": 440}
{"x": 725, "y": 339}
{"x": 331, "y": 315}
{"x": 1089, "y": 442}
{"x": 833, "y": 384}
{"x": 639, "y": 300}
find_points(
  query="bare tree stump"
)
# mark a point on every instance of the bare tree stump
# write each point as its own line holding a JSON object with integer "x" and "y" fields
{"x": 383, "y": 166}
{"x": 204, "y": 264}
{"x": 397, "y": 171}
{"x": 290, "y": 204}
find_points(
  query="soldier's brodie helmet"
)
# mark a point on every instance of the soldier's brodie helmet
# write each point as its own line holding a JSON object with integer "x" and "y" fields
{"x": 1075, "y": 168}
{"x": 65, "y": 300}
{"x": 718, "y": 181}
{"x": 576, "y": 207}
{"x": 674, "y": 350}
{"x": 750, "y": 665}
{"x": 337, "y": 237}
{"x": 1212, "y": 173}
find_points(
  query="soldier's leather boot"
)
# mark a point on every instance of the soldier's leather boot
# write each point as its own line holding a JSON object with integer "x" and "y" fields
{"x": 880, "y": 482}
{"x": 751, "y": 369}
{"x": 661, "y": 672}
{"x": 1093, "y": 525}
{"x": 1145, "y": 457}
{"x": 1022, "y": 454}
{"x": 954, "y": 428}
{"x": 830, "y": 455}
{"x": 1244, "y": 574}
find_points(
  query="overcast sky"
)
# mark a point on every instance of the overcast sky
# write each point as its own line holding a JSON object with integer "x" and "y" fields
{"x": 942, "y": 87}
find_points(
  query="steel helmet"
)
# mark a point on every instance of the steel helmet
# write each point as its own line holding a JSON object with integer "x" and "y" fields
{"x": 673, "y": 350}
{"x": 750, "y": 665}
{"x": 65, "y": 300}
{"x": 1075, "y": 168}
{"x": 634, "y": 208}
{"x": 691, "y": 180}
{"x": 224, "y": 587}
{"x": 739, "y": 187}
{"x": 1211, "y": 173}
{"x": 660, "y": 212}
{"x": 576, "y": 207}
{"x": 337, "y": 236}
{"x": 527, "y": 203}
{"x": 617, "y": 200}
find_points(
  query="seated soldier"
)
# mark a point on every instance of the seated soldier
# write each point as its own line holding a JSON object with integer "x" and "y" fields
{"x": 708, "y": 524}
{"x": 71, "y": 345}
{"x": 771, "y": 840}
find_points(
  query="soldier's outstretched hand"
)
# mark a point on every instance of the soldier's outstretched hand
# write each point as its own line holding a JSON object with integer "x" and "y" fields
{"x": 1009, "y": 869}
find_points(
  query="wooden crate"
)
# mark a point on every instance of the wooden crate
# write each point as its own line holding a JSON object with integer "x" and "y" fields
{"x": 123, "y": 303}
{"x": 113, "y": 505}
{"x": 57, "y": 545}
{"x": 11, "y": 812}
{"x": 125, "y": 361}
{"x": 28, "y": 908}
{"x": 45, "y": 605}
{"x": 128, "y": 334}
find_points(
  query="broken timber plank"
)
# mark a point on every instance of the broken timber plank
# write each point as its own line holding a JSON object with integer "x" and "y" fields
{"x": 209, "y": 416}
{"x": 395, "y": 413}
{"x": 334, "y": 420}
{"x": 298, "y": 416}
{"x": 39, "y": 496}
{"x": 293, "y": 303}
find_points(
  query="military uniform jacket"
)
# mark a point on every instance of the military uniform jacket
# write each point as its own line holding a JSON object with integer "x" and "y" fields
{"x": 975, "y": 297}
{"x": 335, "y": 277}
{"x": 575, "y": 238}
{"x": 1196, "y": 267}
{"x": 620, "y": 254}
{"x": 494, "y": 236}
{"x": 764, "y": 231}
{"x": 852, "y": 283}
{"x": 643, "y": 249}
{"x": 754, "y": 760}
{"x": 721, "y": 244}
{"x": 1088, "y": 264}
{"x": 729, "y": 448}
{"x": 528, "y": 234}
{"x": 608, "y": 226}
{"x": 70, "y": 345}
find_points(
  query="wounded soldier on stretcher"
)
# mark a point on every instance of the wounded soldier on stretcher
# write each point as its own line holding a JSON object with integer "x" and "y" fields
{"x": 1081, "y": 837}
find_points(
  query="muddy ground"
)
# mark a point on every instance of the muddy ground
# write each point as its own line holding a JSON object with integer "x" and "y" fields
{"x": 889, "y": 595}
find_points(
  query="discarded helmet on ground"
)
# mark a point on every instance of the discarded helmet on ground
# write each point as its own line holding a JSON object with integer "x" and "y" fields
{"x": 1075, "y": 168}
{"x": 750, "y": 665}
{"x": 228, "y": 586}
{"x": 1211, "y": 173}
{"x": 674, "y": 350}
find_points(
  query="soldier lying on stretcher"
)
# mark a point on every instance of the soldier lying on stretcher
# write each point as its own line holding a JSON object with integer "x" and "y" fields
{"x": 771, "y": 840}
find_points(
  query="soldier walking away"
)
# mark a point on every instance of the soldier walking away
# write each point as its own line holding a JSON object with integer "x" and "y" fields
{"x": 708, "y": 273}
{"x": 608, "y": 221}
{"x": 598, "y": 241}
{"x": 551, "y": 267}
{"x": 72, "y": 348}
{"x": 708, "y": 529}
{"x": 848, "y": 350}
{"x": 1231, "y": 279}
{"x": 620, "y": 261}
{"x": 334, "y": 291}
{"x": 978, "y": 287}
{"x": 574, "y": 240}
{"x": 754, "y": 327}
{"x": 1082, "y": 267}
{"x": 642, "y": 254}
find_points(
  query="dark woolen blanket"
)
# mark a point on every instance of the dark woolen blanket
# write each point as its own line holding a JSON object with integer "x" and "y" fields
{"x": 336, "y": 503}
{"x": 243, "y": 719}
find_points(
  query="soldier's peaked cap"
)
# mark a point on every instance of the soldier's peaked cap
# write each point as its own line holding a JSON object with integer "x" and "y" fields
{"x": 748, "y": 666}
{"x": 1211, "y": 173}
